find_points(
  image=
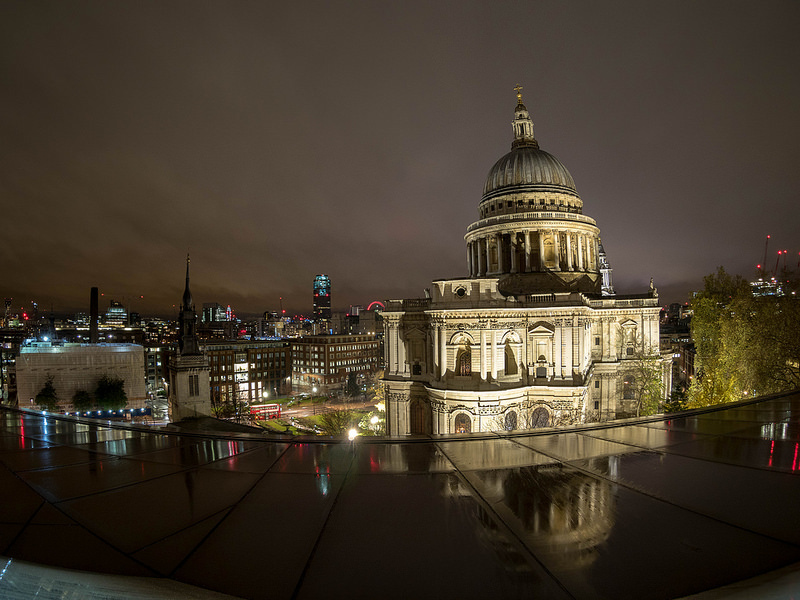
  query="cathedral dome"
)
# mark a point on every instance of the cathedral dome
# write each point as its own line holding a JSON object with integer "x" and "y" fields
{"x": 527, "y": 165}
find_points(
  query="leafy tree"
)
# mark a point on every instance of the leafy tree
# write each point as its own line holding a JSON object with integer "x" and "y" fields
{"x": 646, "y": 383}
{"x": 676, "y": 402}
{"x": 110, "y": 393}
{"x": 336, "y": 422}
{"x": 718, "y": 379}
{"x": 82, "y": 400}
{"x": 47, "y": 399}
{"x": 746, "y": 345}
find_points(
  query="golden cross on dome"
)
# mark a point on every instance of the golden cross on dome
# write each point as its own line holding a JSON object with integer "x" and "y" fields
{"x": 518, "y": 89}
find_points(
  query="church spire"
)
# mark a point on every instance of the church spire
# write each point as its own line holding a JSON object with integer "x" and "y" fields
{"x": 187, "y": 295}
{"x": 188, "y": 342}
{"x": 522, "y": 124}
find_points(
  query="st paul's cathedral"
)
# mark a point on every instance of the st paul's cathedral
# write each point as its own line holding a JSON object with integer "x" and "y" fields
{"x": 534, "y": 335}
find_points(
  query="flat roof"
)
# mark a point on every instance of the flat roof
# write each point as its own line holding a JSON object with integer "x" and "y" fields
{"x": 659, "y": 507}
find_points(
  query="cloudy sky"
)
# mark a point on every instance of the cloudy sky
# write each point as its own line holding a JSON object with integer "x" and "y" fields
{"x": 278, "y": 140}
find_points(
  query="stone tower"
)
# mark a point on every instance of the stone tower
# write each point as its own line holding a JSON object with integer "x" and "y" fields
{"x": 189, "y": 390}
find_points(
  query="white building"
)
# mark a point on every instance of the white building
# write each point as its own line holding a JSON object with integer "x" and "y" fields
{"x": 534, "y": 335}
{"x": 76, "y": 367}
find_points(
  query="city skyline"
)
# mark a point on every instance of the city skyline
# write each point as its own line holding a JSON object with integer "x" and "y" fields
{"x": 275, "y": 143}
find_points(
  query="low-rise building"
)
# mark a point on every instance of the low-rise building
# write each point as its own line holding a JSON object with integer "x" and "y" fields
{"x": 326, "y": 361}
{"x": 78, "y": 367}
{"x": 246, "y": 370}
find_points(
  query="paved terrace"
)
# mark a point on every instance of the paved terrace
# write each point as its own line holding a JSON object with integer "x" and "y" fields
{"x": 649, "y": 508}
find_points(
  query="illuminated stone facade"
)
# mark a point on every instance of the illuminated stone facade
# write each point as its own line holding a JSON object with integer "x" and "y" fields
{"x": 534, "y": 336}
{"x": 78, "y": 367}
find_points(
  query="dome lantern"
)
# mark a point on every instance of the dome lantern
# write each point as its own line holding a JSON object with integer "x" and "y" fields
{"x": 522, "y": 124}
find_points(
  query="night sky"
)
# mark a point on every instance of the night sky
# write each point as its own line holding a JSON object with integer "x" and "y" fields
{"x": 278, "y": 140}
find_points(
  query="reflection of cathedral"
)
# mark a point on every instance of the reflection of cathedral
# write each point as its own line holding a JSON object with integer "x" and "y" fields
{"x": 535, "y": 335}
{"x": 561, "y": 513}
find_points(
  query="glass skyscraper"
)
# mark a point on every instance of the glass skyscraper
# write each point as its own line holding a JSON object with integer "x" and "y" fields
{"x": 322, "y": 298}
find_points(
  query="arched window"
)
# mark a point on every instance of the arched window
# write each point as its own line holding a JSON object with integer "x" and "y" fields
{"x": 463, "y": 423}
{"x": 540, "y": 418}
{"x": 510, "y": 421}
{"x": 464, "y": 362}
{"x": 628, "y": 388}
{"x": 511, "y": 361}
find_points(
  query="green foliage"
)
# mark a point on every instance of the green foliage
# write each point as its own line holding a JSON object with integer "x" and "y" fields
{"x": 676, "y": 403}
{"x": 82, "y": 400}
{"x": 745, "y": 345}
{"x": 337, "y": 422}
{"x": 47, "y": 399}
{"x": 647, "y": 384}
{"x": 110, "y": 393}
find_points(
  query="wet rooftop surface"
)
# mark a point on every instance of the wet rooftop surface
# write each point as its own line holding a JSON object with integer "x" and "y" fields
{"x": 653, "y": 508}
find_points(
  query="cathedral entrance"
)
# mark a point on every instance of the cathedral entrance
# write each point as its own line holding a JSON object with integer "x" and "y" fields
{"x": 540, "y": 418}
{"x": 418, "y": 419}
{"x": 463, "y": 423}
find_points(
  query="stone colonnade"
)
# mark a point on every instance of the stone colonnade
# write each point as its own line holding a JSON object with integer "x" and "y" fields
{"x": 565, "y": 251}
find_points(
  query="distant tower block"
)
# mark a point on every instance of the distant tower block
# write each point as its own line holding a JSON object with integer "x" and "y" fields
{"x": 322, "y": 298}
{"x": 190, "y": 388}
{"x": 93, "y": 316}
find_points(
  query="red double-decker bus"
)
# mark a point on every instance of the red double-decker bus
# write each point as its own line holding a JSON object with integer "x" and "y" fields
{"x": 262, "y": 412}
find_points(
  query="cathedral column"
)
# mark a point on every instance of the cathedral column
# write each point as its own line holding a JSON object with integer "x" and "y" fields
{"x": 557, "y": 349}
{"x": 513, "y": 240}
{"x": 488, "y": 255}
{"x": 443, "y": 360}
{"x": 493, "y": 355}
{"x": 481, "y": 250}
{"x": 569, "y": 252}
{"x": 612, "y": 339}
{"x": 581, "y": 240}
{"x": 436, "y": 351}
{"x": 557, "y": 249}
{"x": 393, "y": 341}
{"x": 469, "y": 259}
{"x": 498, "y": 239}
{"x": 528, "y": 267}
{"x": 483, "y": 355}
{"x": 540, "y": 235}
{"x": 567, "y": 337}
{"x": 402, "y": 363}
